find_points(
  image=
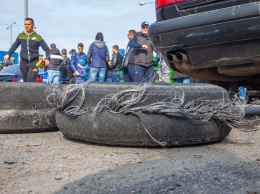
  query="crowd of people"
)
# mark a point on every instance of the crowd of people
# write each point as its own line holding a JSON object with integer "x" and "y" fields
{"x": 136, "y": 63}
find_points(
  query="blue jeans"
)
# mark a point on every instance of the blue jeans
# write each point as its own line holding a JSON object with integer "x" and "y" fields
{"x": 87, "y": 76}
{"x": 95, "y": 73}
{"x": 53, "y": 77}
{"x": 114, "y": 77}
{"x": 184, "y": 80}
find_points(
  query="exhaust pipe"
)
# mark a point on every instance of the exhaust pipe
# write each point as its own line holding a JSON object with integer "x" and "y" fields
{"x": 171, "y": 57}
{"x": 178, "y": 57}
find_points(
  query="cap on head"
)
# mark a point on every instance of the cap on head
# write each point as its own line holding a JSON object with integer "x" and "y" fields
{"x": 145, "y": 23}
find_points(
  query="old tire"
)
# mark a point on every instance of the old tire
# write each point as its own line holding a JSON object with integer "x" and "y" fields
{"x": 129, "y": 129}
{"x": 23, "y": 108}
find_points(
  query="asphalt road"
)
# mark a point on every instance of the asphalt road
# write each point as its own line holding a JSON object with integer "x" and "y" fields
{"x": 48, "y": 163}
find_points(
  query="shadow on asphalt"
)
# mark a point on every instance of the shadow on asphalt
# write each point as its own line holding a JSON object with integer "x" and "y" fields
{"x": 171, "y": 174}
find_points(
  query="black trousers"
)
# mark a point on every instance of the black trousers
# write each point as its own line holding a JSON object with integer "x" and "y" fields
{"x": 29, "y": 71}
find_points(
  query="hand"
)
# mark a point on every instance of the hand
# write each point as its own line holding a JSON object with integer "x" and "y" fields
{"x": 80, "y": 66}
{"x": 6, "y": 57}
{"x": 144, "y": 46}
{"x": 76, "y": 73}
{"x": 47, "y": 62}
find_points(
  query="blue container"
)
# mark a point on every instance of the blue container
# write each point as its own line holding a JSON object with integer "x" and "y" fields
{"x": 45, "y": 78}
{"x": 242, "y": 92}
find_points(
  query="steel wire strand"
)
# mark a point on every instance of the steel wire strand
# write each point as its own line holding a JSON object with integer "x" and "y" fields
{"x": 63, "y": 99}
{"x": 122, "y": 101}
{"x": 229, "y": 111}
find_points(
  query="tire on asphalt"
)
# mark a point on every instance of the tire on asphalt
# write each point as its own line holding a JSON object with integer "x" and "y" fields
{"x": 132, "y": 129}
{"x": 23, "y": 108}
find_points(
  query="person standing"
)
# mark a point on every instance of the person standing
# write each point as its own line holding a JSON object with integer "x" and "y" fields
{"x": 30, "y": 42}
{"x": 130, "y": 53}
{"x": 143, "y": 68}
{"x": 98, "y": 57}
{"x": 79, "y": 59}
{"x": 115, "y": 66}
{"x": 53, "y": 69}
{"x": 66, "y": 73}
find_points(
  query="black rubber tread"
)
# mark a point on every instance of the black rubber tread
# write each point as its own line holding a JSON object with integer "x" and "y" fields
{"x": 157, "y": 92}
{"x": 127, "y": 130}
{"x": 20, "y": 103}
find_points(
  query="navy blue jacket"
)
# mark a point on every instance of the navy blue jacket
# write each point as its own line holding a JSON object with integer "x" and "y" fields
{"x": 132, "y": 44}
{"x": 98, "y": 54}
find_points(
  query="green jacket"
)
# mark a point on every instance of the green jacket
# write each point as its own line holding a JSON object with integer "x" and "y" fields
{"x": 30, "y": 44}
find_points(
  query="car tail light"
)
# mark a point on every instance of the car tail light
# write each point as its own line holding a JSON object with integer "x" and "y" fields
{"x": 162, "y": 3}
{"x": 39, "y": 79}
{"x": 14, "y": 80}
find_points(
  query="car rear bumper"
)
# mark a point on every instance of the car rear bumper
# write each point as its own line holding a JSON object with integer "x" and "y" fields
{"x": 235, "y": 30}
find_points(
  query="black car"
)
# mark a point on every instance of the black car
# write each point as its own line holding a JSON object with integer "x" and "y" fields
{"x": 215, "y": 40}
{"x": 12, "y": 73}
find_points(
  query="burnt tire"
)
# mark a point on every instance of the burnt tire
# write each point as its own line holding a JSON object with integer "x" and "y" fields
{"x": 23, "y": 108}
{"x": 144, "y": 128}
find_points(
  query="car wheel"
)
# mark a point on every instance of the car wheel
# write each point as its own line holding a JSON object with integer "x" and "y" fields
{"x": 149, "y": 127}
{"x": 23, "y": 108}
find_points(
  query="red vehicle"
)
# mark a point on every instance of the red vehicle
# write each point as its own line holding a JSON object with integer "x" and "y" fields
{"x": 215, "y": 40}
